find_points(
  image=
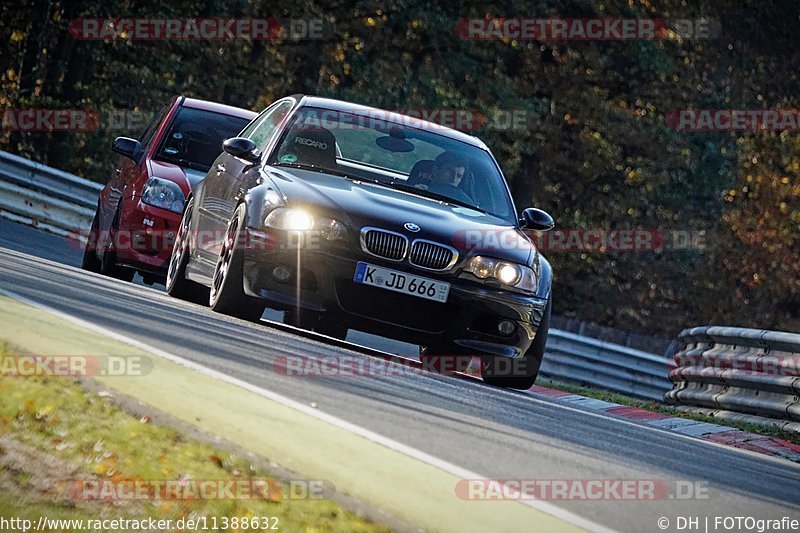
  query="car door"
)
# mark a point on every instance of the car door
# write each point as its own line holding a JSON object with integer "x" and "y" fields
{"x": 225, "y": 182}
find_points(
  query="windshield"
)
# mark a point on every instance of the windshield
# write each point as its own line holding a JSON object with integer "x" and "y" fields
{"x": 396, "y": 155}
{"x": 195, "y": 137}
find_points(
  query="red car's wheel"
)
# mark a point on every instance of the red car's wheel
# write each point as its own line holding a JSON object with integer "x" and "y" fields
{"x": 90, "y": 260}
{"x": 108, "y": 259}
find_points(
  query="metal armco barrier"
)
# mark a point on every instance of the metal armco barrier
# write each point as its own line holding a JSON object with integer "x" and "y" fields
{"x": 578, "y": 360}
{"x": 45, "y": 197}
{"x": 62, "y": 203}
{"x": 741, "y": 370}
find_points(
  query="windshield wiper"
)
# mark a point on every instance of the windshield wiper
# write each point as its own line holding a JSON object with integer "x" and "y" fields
{"x": 315, "y": 168}
{"x": 326, "y": 170}
{"x": 432, "y": 195}
{"x": 184, "y": 162}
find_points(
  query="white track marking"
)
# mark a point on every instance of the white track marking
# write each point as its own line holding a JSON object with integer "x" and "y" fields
{"x": 419, "y": 455}
{"x": 160, "y": 296}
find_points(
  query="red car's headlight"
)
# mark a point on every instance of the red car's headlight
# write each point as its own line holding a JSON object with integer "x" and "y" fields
{"x": 164, "y": 194}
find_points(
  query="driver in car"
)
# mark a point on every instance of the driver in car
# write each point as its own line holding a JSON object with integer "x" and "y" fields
{"x": 448, "y": 171}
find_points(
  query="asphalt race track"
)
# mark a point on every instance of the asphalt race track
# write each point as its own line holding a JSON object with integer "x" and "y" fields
{"x": 494, "y": 432}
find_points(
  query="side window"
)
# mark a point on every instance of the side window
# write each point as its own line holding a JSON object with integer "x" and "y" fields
{"x": 262, "y": 130}
{"x": 152, "y": 127}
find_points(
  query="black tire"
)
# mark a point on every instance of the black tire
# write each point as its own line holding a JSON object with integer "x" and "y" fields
{"x": 520, "y": 373}
{"x": 176, "y": 283}
{"x": 227, "y": 291}
{"x": 90, "y": 260}
{"x": 108, "y": 259}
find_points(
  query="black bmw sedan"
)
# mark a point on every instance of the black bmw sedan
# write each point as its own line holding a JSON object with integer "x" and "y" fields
{"x": 346, "y": 216}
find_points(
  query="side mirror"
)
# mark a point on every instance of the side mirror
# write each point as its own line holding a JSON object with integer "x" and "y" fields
{"x": 536, "y": 219}
{"x": 242, "y": 148}
{"x": 130, "y": 148}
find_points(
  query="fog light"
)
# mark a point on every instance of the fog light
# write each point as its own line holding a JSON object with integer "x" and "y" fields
{"x": 281, "y": 273}
{"x": 506, "y": 327}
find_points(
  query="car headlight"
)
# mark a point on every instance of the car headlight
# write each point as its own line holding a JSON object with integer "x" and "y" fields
{"x": 289, "y": 219}
{"x": 330, "y": 228}
{"x": 517, "y": 276}
{"x": 164, "y": 194}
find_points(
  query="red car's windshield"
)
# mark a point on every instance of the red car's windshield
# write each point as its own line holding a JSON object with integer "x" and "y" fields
{"x": 194, "y": 138}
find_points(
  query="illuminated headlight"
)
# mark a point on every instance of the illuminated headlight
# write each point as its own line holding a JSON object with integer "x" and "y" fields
{"x": 507, "y": 273}
{"x": 289, "y": 219}
{"x": 164, "y": 194}
{"x": 511, "y": 274}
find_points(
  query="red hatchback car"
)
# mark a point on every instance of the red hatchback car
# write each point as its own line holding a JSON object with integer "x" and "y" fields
{"x": 140, "y": 208}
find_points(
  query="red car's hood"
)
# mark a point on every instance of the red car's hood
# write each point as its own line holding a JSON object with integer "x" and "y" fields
{"x": 185, "y": 177}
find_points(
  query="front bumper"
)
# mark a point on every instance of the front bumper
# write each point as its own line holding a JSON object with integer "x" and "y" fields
{"x": 468, "y": 319}
{"x": 146, "y": 235}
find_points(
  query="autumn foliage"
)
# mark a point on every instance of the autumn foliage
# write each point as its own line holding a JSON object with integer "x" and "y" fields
{"x": 597, "y": 150}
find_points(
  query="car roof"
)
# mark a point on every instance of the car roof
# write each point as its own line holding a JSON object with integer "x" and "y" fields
{"x": 391, "y": 116}
{"x": 215, "y": 107}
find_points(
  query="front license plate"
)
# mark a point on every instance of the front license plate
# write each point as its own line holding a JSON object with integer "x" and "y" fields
{"x": 404, "y": 282}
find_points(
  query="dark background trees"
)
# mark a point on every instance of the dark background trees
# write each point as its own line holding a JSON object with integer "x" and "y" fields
{"x": 598, "y": 151}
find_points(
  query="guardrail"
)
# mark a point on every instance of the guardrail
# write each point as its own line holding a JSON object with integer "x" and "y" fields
{"x": 42, "y": 196}
{"x": 61, "y": 203}
{"x": 749, "y": 371}
{"x": 578, "y": 360}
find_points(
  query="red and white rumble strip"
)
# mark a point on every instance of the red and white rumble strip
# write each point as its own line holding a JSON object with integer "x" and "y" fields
{"x": 720, "y": 434}
{"x": 725, "y": 435}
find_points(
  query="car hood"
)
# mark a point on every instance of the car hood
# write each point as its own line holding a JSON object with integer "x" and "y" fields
{"x": 185, "y": 177}
{"x": 359, "y": 204}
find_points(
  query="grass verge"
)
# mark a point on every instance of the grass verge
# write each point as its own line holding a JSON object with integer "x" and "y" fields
{"x": 53, "y": 433}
